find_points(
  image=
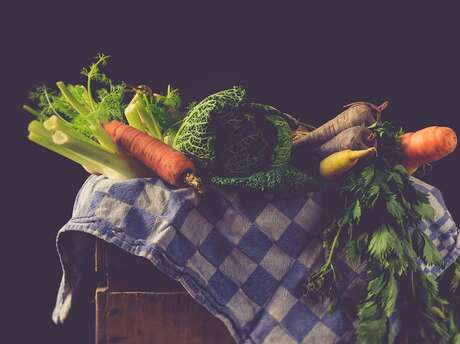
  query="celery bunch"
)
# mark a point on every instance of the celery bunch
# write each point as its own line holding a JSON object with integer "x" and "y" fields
{"x": 70, "y": 121}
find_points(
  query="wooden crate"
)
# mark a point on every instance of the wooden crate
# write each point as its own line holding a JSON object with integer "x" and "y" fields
{"x": 135, "y": 303}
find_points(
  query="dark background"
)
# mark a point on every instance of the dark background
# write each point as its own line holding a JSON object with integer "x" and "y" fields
{"x": 308, "y": 61}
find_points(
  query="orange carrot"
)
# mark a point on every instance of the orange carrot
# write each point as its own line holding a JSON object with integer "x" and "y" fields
{"x": 427, "y": 145}
{"x": 169, "y": 164}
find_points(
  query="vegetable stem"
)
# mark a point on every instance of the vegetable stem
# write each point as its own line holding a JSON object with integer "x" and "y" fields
{"x": 333, "y": 247}
{"x": 32, "y": 111}
{"x": 148, "y": 120}
{"x": 56, "y": 123}
{"x": 79, "y": 107}
{"x": 124, "y": 166}
{"x": 102, "y": 137}
{"x": 70, "y": 141}
{"x": 39, "y": 135}
{"x": 132, "y": 114}
{"x": 89, "y": 155}
{"x": 90, "y": 96}
{"x": 67, "y": 153}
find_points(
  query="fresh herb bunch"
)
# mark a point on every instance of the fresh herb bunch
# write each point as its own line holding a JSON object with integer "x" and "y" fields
{"x": 70, "y": 121}
{"x": 377, "y": 225}
{"x": 86, "y": 106}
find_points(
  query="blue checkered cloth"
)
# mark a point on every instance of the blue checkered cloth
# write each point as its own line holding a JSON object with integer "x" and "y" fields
{"x": 244, "y": 259}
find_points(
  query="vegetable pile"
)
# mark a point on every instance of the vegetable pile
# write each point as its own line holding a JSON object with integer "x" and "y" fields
{"x": 377, "y": 223}
{"x": 228, "y": 141}
{"x": 242, "y": 144}
{"x": 84, "y": 125}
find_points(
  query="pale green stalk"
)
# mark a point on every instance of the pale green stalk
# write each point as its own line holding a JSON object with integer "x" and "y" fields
{"x": 57, "y": 123}
{"x": 39, "y": 135}
{"x": 90, "y": 96}
{"x": 123, "y": 165}
{"x": 132, "y": 115}
{"x": 148, "y": 120}
{"x": 79, "y": 107}
{"x": 85, "y": 148}
{"x": 32, "y": 111}
{"x": 86, "y": 153}
{"x": 96, "y": 128}
{"x": 103, "y": 137}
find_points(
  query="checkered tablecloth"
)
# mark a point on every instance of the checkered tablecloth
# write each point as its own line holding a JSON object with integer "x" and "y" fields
{"x": 243, "y": 258}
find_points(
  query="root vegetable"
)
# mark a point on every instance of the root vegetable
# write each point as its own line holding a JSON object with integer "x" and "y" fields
{"x": 354, "y": 138}
{"x": 356, "y": 114}
{"x": 427, "y": 145}
{"x": 335, "y": 165}
{"x": 169, "y": 164}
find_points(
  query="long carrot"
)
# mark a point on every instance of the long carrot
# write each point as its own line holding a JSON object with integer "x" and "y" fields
{"x": 427, "y": 145}
{"x": 359, "y": 113}
{"x": 169, "y": 164}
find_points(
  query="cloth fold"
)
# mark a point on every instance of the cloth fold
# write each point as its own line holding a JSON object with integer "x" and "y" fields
{"x": 244, "y": 259}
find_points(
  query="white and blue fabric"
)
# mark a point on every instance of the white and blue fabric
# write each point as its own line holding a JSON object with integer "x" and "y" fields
{"x": 244, "y": 259}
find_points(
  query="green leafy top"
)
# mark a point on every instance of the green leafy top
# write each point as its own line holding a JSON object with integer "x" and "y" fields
{"x": 78, "y": 103}
{"x": 95, "y": 73}
{"x": 377, "y": 224}
{"x": 165, "y": 109}
{"x": 86, "y": 107}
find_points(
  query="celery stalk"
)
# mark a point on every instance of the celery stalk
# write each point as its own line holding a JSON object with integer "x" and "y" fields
{"x": 31, "y": 111}
{"x": 81, "y": 108}
{"x": 123, "y": 164}
{"x": 150, "y": 123}
{"x": 138, "y": 118}
{"x": 84, "y": 139}
{"x": 39, "y": 135}
{"x": 38, "y": 128}
{"x": 48, "y": 143}
{"x": 132, "y": 115}
{"x": 87, "y": 154}
{"x": 103, "y": 137}
{"x": 56, "y": 123}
